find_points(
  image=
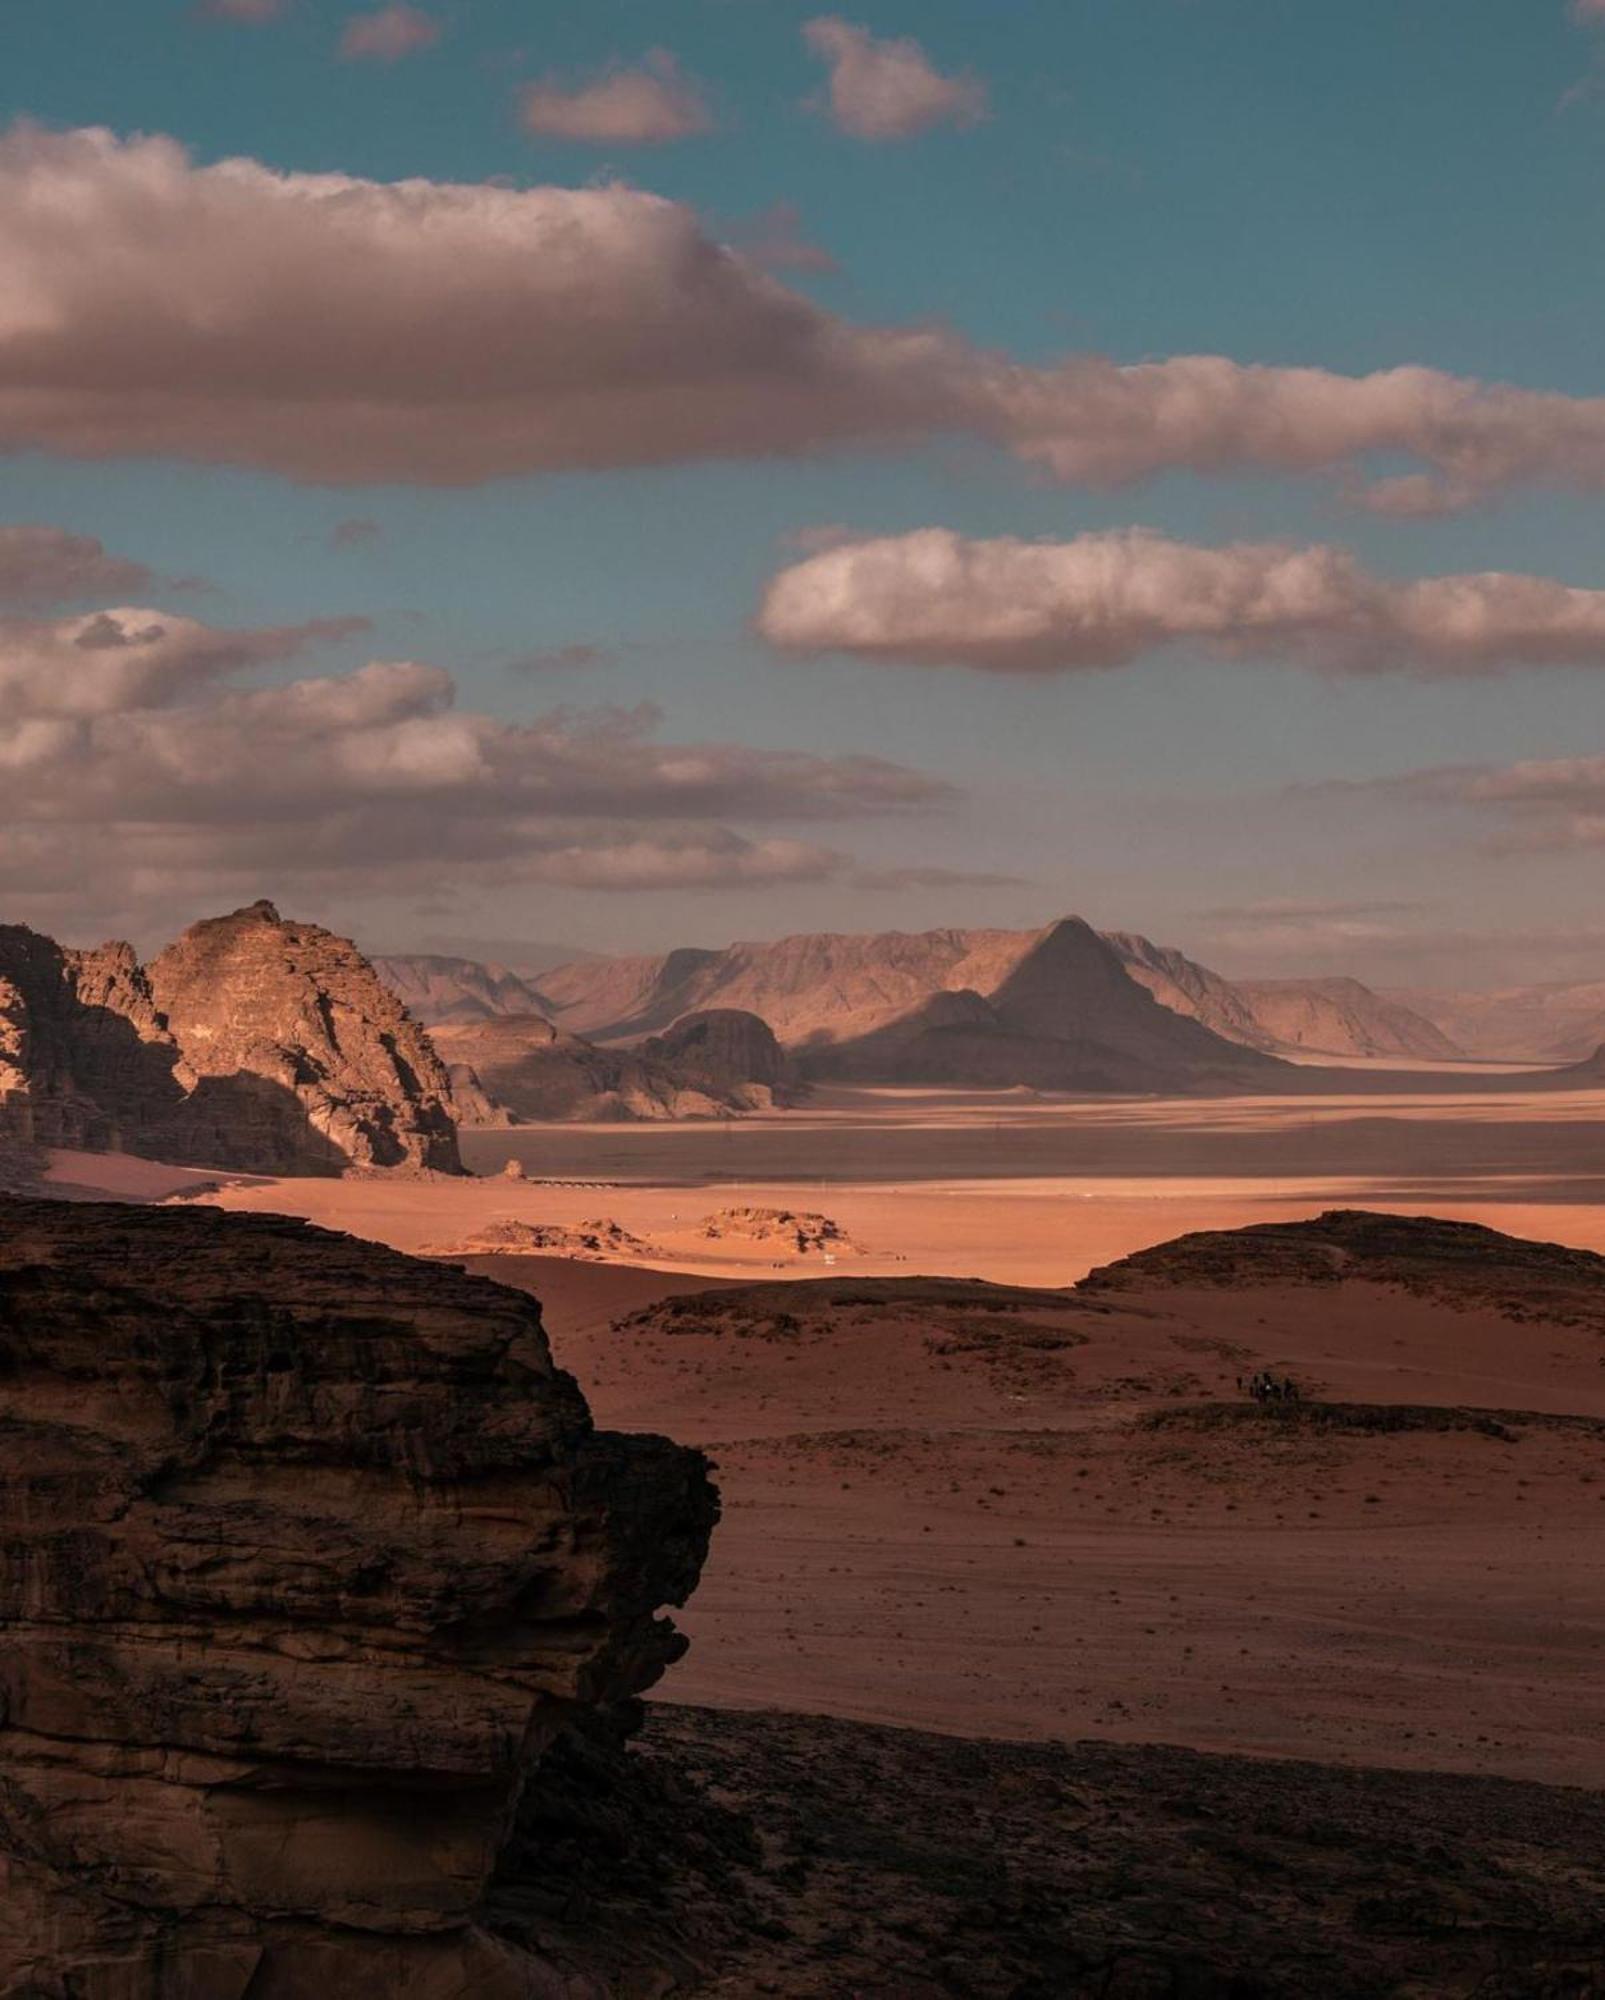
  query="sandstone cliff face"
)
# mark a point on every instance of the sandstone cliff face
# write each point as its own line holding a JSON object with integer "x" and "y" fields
{"x": 308, "y": 1553}
{"x": 85, "y": 1058}
{"x": 251, "y": 1044}
{"x": 294, "y": 1011}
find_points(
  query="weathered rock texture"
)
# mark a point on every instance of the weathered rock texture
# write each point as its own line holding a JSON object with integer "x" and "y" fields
{"x": 308, "y": 1553}
{"x": 251, "y": 1043}
{"x": 85, "y": 1058}
{"x": 251, "y": 996}
{"x": 728, "y": 1052}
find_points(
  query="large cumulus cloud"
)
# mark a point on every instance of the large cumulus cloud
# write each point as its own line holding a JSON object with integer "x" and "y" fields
{"x": 1012, "y": 606}
{"x": 343, "y": 330}
{"x": 138, "y": 763}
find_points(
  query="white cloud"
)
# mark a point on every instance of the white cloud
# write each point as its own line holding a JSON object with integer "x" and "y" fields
{"x": 888, "y": 89}
{"x": 1011, "y": 606}
{"x": 350, "y": 331}
{"x": 388, "y": 34}
{"x": 137, "y": 766}
{"x": 649, "y": 105}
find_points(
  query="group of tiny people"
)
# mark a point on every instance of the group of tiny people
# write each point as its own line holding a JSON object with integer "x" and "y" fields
{"x": 1265, "y": 1387}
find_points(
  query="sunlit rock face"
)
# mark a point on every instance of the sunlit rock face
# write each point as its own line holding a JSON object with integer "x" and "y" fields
{"x": 308, "y": 1554}
{"x": 301, "y": 1011}
{"x": 251, "y": 1043}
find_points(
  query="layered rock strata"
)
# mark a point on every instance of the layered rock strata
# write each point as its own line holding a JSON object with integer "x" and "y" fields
{"x": 308, "y": 1554}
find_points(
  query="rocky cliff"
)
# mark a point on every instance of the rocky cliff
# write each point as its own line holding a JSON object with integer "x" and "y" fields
{"x": 290, "y": 1011}
{"x": 251, "y": 1043}
{"x": 308, "y": 1555}
{"x": 85, "y": 1058}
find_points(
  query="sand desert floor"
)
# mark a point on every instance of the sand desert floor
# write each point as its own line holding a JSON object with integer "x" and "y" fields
{"x": 1088, "y": 1534}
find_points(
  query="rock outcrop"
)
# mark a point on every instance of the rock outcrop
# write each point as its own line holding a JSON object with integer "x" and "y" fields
{"x": 520, "y": 1065}
{"x": 85, "y": 1058}
{"x": 730, "y": 1053}
{"x": 285, "y": 1010}
{"x": 308, "y": 1556}
{"x": 1459, "y": 1264}
{"x": 802, "y": 1231}
{"x": 251, "y": 1044}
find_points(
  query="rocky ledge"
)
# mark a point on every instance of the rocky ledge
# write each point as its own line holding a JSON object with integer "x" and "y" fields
{"x": 309, "y": 1556}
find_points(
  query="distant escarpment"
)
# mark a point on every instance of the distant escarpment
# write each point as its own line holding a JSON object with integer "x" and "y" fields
{"x": 252, "y": 1043}
{"x": 437, "y": 988}
{"x": 311, "y": 1557}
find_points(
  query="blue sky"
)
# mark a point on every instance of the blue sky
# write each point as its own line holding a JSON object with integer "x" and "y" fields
{"x": 1354, "y": 188}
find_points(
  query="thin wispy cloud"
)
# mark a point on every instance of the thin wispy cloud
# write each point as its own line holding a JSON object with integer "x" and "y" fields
{"x": 253, "y": 12}
{"x": 888, "y": 89}
{"x": 357, "y": 533}
{"x": 42, "y": 566}
{"x": 1533, "y": 805}
{"x": 1103, "y": 600}
{"x": 388, "y": 34}
{"x": 651, "y": 104}
{"x": 775, "y": 239}
{"x": 561, "y": 659}
{"x": 486, "y": 331}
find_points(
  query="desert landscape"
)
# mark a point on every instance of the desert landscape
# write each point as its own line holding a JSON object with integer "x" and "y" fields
{"x": 802, "y": 1010}
{"x": 1264, "y": 1423}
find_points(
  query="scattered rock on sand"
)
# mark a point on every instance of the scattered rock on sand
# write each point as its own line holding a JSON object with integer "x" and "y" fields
{"x": 800, "y": 1230}
{"x": 601, "y": 1240}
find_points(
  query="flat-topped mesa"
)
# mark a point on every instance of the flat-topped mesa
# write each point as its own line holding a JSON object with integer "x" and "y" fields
{"x": 300, "y": 1014}
{"x": 1456, "y": 1263}
{"x": 308, "y": 1553}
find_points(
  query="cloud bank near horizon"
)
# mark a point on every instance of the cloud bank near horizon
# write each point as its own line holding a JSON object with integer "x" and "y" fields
{"x": 1008, "y": 606}
{"x": 137, "y": 770}
{"x": 232, "y": 314}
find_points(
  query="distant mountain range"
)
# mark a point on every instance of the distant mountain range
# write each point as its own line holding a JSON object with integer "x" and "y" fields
{"x": 839, "y": 989}
{"x": 1562, "y": 1021}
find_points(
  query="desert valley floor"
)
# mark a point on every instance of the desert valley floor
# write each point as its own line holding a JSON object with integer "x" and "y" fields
{"x": 1035, "y": 1513}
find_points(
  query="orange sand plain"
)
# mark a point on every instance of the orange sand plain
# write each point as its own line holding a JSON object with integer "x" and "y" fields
{"x": 995, "y": 1185}
{"x": 914, "y": 1541}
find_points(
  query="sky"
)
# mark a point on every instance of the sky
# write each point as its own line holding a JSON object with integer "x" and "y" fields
{"x": 490, "y": 473}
